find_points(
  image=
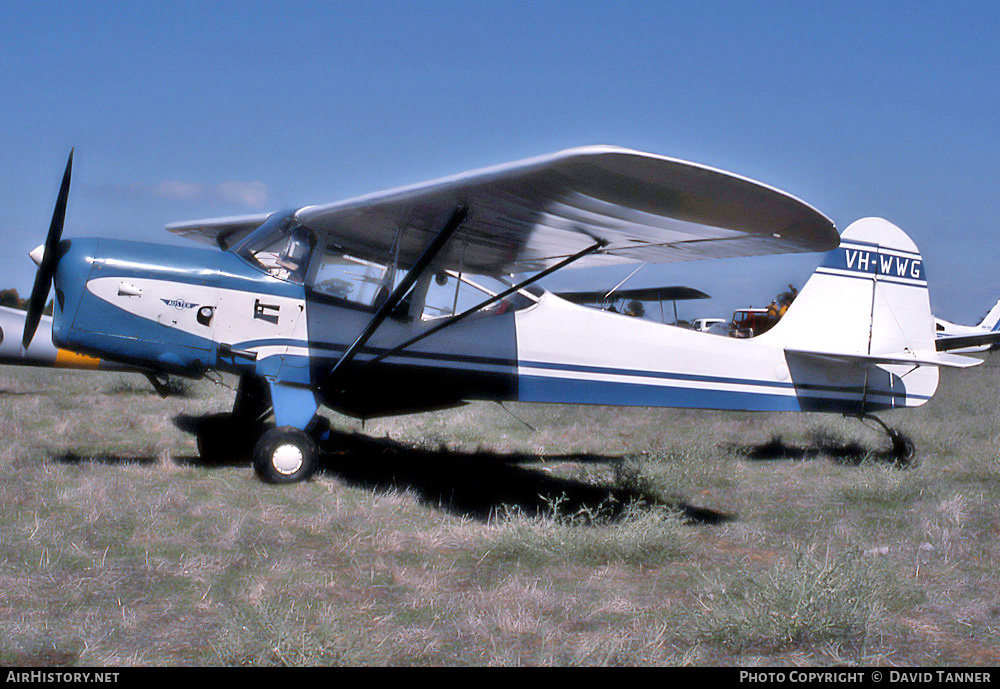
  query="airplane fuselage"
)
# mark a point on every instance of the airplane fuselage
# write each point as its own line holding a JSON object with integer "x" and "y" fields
{"x": 189, "y": 310}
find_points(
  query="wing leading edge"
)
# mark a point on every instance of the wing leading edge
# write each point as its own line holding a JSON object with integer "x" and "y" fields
{"x": 220, "y": 232}
{"x": 530, "y": 214}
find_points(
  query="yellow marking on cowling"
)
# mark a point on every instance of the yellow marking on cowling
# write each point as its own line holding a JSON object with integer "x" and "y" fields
{"x": 68, "y": 359}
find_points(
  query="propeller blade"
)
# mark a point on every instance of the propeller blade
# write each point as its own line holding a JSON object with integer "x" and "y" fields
{"x": 47, "y": 267}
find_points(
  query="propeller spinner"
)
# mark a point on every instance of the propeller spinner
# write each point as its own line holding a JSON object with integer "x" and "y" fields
{"x": 49, "y": 259}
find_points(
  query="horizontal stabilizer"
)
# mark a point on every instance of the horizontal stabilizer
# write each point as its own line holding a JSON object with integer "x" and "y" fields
{"x": 948, "y": 343}
{"x": 906, "y": 358}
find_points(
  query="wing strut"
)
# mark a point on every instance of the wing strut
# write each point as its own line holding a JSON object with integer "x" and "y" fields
{"x": 429, "y": 254}
{"x": 483, "y": 304}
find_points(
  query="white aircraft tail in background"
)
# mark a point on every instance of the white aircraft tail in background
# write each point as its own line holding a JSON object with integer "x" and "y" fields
{"x": 969, "y": 338}
{"x": 992, "y": 319}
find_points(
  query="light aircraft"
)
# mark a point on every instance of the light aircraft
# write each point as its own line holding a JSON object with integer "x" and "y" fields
{"x": 43, "y": 353}
{"x": 325, "y": 305}
{"x": 969, "y": 338}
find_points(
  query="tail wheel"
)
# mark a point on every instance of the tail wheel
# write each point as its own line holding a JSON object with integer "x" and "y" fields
{"x": 903, "y": 449}
{"x": 285, "y": 455}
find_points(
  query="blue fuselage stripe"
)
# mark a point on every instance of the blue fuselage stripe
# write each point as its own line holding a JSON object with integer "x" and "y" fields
{"x": 445, "y": 360}
{"x": 562, "y": 390}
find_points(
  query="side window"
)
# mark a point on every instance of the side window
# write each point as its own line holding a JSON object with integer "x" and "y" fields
{"x": 451, "y": 293}
{"x": 350, "y": 278}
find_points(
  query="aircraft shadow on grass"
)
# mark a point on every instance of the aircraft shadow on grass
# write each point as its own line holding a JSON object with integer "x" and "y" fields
{"x": 476, "y": 484}
{"x": 77, "y": 459}
{"x": 851, "y": 453}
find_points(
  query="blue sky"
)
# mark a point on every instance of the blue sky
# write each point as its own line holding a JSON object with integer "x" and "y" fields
{"x": 186, "y": 110}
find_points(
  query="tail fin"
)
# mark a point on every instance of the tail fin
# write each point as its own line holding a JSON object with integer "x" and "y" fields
{"x": 867, "y": 308}
{"x": 869, "y": 296}
{"x": 992, "y": 320}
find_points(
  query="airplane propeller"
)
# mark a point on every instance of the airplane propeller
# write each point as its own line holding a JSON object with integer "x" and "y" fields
{"x": 49, "y": 260}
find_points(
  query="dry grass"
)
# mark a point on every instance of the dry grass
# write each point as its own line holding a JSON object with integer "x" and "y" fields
{"x": 606, "y": 537}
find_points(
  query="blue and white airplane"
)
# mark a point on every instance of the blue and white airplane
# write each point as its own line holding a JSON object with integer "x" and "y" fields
{"x": 328, "y": 305}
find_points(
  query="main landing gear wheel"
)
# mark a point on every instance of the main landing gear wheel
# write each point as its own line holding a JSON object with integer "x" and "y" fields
{"x": 285, "y": 455}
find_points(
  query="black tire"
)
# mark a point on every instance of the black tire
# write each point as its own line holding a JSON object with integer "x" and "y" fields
{"x": 224, "y": 438}
{"x": 904, "y": 452}
{"x": 285, "y": 455}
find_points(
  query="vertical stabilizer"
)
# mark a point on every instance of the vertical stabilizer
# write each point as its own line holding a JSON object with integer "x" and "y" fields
{"x": 868, "y": 302}
{"x": 992, "y": 320}
{"x": 869, "y": 296}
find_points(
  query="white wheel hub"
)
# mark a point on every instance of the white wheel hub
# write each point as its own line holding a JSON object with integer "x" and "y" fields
{"x": 287, "y": 459}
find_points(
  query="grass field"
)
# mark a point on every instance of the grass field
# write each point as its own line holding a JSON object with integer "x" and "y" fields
{"x": 608, "y": 536}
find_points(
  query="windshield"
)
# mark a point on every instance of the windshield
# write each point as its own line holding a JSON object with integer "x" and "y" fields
{"x": 281, "y": 247}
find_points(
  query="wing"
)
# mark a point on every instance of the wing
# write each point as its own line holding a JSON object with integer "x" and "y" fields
{"x": 678, "y": 293}
{"x": 220, "y": 232}
{"x": 529, "y": 214}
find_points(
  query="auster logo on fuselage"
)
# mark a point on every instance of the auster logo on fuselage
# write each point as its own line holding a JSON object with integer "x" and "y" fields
{"x": 876, "y": 263}
{"x": 178, "y": 304}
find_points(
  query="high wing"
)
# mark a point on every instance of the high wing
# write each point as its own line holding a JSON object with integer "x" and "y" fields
{"x": 221, "y": 232}
{"x": 530, "y": 214}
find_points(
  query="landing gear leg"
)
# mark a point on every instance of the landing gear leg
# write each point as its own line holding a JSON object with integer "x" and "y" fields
{"x": 253, "y": 399}
{"x": 903, "y": 449}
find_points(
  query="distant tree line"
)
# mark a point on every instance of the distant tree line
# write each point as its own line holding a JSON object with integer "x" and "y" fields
{"x": 10, "y": 297}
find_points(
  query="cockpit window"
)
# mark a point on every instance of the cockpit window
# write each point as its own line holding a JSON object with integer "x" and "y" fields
{"x": 283, "y": 249}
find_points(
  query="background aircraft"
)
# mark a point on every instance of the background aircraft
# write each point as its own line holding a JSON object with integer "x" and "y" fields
{"x": 969, "y": 338}
{"x": 607, "y": 299}
{"x": 41, "y": 351}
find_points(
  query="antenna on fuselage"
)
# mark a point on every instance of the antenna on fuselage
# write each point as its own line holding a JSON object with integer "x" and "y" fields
{"x": 627, "y": 278}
